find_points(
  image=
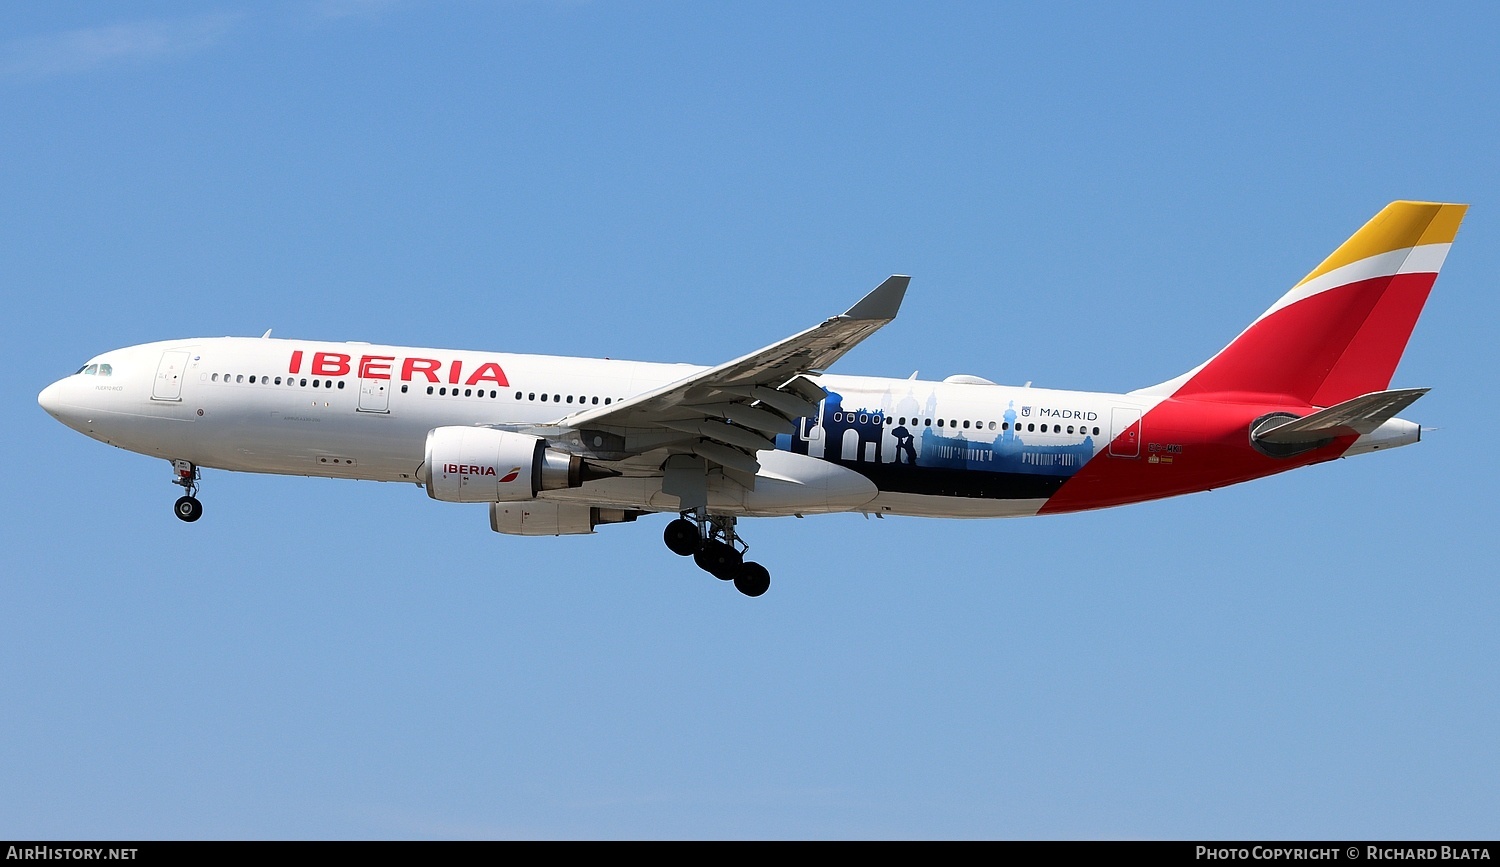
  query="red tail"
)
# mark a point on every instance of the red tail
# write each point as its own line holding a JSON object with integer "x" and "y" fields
{"x": 1340, "y": 332}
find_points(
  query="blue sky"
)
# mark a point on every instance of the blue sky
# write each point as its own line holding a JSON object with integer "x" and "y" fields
{"x": 1087, "y": 196}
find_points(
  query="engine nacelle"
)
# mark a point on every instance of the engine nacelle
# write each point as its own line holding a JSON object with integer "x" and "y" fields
{"x": 484, "y": 465}
{"x": 547, "y": 518}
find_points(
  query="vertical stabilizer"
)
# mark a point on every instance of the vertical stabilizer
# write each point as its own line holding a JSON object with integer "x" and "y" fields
{"x": 1340, "y": 332}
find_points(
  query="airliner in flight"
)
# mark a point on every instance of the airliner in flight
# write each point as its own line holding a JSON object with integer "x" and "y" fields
{"x": 557, "y": 445}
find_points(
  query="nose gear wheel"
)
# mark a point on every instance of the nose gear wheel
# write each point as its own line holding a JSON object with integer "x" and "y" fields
{"x": 187, "y": 508}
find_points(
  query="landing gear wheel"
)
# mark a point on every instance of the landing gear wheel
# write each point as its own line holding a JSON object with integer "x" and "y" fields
{"x": 719, "y": 559}
{"x": 717, "y": 549}
{"x": 682, "y": 537}
{"x": 753, "y": 579}
{"x": 188, "y": 509}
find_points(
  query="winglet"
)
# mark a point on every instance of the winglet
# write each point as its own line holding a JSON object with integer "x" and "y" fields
{"x": 882, "y": 302}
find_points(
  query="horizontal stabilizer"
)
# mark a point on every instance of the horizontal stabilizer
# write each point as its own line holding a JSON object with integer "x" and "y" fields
{"x": 1356, "y": 417}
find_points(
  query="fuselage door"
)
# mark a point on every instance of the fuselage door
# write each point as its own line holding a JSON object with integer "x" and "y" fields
{"x": 1125, "y": 433}
{"x": 168, "y": 385}
{"x": 374, "y": 395}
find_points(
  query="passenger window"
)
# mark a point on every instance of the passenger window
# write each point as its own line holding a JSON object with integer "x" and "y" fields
{"x": 570, "y": 398}
{"x": 992, "y": 425}
{"x": 966, "y": 424}
{"x": 531, "y": 396}
{"x": 278, "y": 380}
{"x": 940, "y": 422}
{"x": 403, "y": 389}
{"x": 544, "y": 398}
{"x": 429, "y": 389}
{"x": 1096, "y": 431}
{"x": 214, "y": 378}
{"x": 606, "y": 401}
{"x": 518, "y": 395}
{"x": 1070, "y": 428}
{"x": 341, "y": 383}
{"x": 468, "y": 392}
{"x": 595, "y": 401}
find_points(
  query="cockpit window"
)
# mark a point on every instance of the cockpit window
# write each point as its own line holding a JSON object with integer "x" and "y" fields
{"x": 89, "y": 370}
{"x": 106, "y": 370}
{"x": 95, "y": 370}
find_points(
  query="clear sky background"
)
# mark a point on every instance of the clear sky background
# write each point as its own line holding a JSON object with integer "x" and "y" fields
{"x": 1092, "y": 196}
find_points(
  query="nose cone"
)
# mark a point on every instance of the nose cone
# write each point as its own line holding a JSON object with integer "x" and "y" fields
{"x": 51, "y": 399}
{"x": 60, "y": 400}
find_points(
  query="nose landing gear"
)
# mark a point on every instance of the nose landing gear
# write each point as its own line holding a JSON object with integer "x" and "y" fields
{"x": 713, "y": 545}
{"x": 187, "y": 507}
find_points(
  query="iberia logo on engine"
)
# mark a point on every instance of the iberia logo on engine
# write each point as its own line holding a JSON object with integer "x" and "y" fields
{"x": 478, "y": 470}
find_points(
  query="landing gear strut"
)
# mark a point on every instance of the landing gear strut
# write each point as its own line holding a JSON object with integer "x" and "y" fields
{"x": 187, "y": 508}
{"x": 712, "y": 542}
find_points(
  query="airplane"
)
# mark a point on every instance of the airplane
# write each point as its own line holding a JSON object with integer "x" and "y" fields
{"x": 561, "y": 445}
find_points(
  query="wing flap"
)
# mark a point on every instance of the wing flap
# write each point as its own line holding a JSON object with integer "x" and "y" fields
{"x": 753, "y": 417}
{"x": 722, "y": 432}
{"x": 726, "y": 457}
{"x": 791, "y": 404}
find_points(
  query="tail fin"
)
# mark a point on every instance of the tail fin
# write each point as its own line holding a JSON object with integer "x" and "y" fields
{"x": 1339, "y": 333}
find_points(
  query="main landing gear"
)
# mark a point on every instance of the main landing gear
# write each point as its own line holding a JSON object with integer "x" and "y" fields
{"x": 187, "y": 507}
{"x": 711, "y": 541}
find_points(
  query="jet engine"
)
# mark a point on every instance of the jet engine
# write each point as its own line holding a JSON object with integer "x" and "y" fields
{"x": 484, "y": 465}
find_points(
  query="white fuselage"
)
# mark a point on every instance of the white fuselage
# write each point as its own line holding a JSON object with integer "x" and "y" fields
{"x": 363, "y": 411}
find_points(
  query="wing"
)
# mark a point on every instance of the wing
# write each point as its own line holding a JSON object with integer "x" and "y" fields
{"x": 727, "y": 413}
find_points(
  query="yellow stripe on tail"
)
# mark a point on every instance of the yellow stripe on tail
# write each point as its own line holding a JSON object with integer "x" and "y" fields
{"x": 1398, "y": 226}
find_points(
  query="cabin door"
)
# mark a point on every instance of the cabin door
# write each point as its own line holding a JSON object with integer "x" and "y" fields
{"x": 168, "y": 385}
{"x": 374, "y": 395}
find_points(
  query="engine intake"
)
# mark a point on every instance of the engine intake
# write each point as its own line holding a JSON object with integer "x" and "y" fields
{"x": 484, "y": 465}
